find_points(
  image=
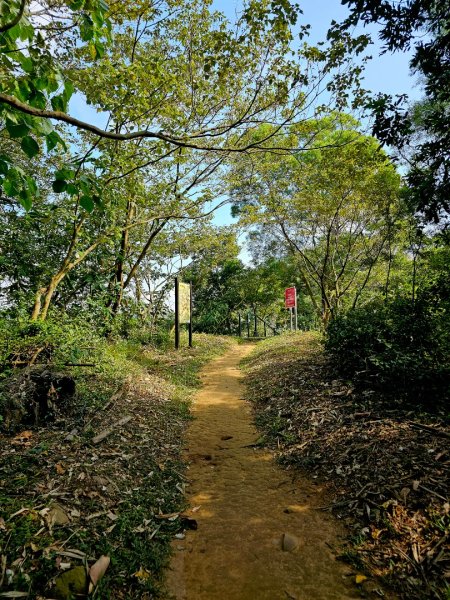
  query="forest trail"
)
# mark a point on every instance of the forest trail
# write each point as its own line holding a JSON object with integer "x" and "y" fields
{"x": 247, "y": 504}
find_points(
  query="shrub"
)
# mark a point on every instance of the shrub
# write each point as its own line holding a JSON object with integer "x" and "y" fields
{"x": 401, "y": 347}
{"x": 58, "y": 340}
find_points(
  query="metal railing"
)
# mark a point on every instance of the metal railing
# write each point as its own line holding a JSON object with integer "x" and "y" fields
{"x": 251, "y": 325}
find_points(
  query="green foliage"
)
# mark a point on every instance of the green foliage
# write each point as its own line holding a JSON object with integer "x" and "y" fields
{"x": 218, "y": 293}
{"x": 334, "y": 209}
{"x": 32, "y": 76}
{"x": 401, "y": 347}
{"x": 60, "y": 340}
{"x": 145, "y": 485}
{"x": 223, "y": 291}
{"x": 421, "y": 28}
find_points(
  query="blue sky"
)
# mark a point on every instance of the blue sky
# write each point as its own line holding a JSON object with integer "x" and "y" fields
{"x": 388, "y": 73}
{"x": 385, "y": 73}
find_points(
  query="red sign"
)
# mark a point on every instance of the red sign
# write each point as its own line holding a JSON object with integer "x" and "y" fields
{"x": 290, "y": 297}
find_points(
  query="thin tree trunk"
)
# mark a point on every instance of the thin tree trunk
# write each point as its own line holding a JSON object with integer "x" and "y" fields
{"x": 40, "y": 313}
{"x": 388, "y": 275}
{"x": 144, "y": 251}
{"x": 120, "y": 261}
{"x": 49, "y": 292}
{"x": 37, "y": 303}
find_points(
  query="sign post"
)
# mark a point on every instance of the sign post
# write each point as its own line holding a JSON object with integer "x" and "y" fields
{"x": 190, "y": 314}
{"x": 183, "y": 309}
{"x": 177, "y": 313}
{"x": 290, "y": 302}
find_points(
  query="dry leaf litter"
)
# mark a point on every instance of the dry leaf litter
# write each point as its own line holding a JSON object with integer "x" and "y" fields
{"x": 387, "y": 467}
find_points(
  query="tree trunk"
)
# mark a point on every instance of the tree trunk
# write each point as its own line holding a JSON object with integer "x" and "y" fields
{"x": 40, "y": 311}
{"x": 49, "y": 295}
{"x": 37, "y": 303}
{"x": 120, "y": 261}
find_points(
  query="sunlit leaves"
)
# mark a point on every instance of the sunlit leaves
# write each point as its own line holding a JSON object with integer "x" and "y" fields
{"x": 32, "y": 74}
{"x": 53, "y": 139}
{"x": 87, "y": 203}
{"x": 15, "y": 183}
{"x": 84, "y": 187}
{"x": 17, "y": 130}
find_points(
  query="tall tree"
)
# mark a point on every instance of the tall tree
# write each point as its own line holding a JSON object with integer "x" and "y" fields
{"x": 332, "y": 208}
{"x": 420, "y": 132}
{"x": 166, "y": 74}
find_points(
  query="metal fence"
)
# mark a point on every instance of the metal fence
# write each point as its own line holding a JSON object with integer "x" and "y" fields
{"x": 251, "y": 325}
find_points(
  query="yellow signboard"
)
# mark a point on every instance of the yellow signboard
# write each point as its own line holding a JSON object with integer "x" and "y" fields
{"x": 184, "y": 306}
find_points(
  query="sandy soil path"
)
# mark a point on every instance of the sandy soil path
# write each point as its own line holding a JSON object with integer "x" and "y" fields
{"x": 247, "y": 504}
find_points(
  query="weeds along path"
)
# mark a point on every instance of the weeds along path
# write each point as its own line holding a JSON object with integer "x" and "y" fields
{"x": 259, "y": 536}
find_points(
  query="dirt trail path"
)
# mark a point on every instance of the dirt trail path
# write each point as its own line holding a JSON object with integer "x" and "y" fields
{"x": 247, "y": 504}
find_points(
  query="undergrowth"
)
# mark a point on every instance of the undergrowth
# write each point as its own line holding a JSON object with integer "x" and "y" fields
{"x": 112, "y": 493}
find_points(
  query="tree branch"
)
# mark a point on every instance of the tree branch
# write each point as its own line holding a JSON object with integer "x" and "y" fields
{"x": 16, "y": 19}
{"x": 176, "y": 141}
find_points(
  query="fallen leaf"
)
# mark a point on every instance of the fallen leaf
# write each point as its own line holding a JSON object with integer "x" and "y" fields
{"x": 168, "y": 516}
{"x": 71, "y": 583}
{"x": 360, "y": 579}
{"x": 22, "y": 439}
{"x": 404, "y": 494}
{"x": 56, "y": 515}
{"x": 94, "y": 516}
{"x": 97, "y": 571}
{"x": 376, "y": 533}
{"x": 142, "y": 574}
{"x": 72, "y": 553}
{"x": 19, "y": 512}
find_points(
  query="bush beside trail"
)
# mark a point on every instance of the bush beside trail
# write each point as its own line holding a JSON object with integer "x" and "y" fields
{"x": 400, "y": 348}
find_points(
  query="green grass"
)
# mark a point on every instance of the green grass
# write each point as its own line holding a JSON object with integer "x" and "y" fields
{"x": 290, "y": 344}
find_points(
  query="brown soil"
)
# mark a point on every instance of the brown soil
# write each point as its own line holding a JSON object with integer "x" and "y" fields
{"x": 247, "y": 506}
